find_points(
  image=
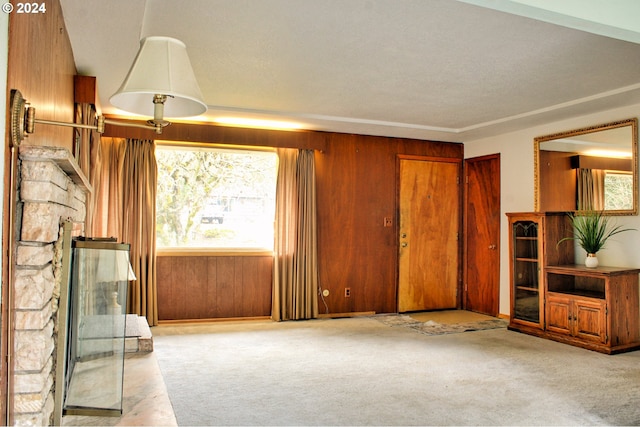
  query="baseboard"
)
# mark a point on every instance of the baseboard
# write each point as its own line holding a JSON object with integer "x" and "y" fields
{"x": 212, "y": 320}
{"x": 242, "y": 319}
{"x": 350, "y": 314}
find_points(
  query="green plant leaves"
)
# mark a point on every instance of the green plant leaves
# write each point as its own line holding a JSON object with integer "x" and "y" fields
{"x": 592, "y": 229}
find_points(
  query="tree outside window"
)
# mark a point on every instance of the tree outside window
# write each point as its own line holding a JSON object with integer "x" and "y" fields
{"x": 215, "y": 198}
{"x": 618, "y": 190}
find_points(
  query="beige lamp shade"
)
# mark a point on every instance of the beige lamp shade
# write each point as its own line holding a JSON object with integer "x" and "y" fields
{"x": 162, "y": 67}
{"x": 112, "y": 265}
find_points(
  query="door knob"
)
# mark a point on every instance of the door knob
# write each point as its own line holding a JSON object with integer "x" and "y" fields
{"x": 403, "y": 235}
{"x": 492, "y": 247}
{"x": 404, "y": 244}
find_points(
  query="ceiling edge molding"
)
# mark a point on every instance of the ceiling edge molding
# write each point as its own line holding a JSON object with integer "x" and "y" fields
{"x": 316, "y": 118}
{"x": 326, "y": 118}
{"x": 588, "y": 15}
{"x": 597, "y": 97}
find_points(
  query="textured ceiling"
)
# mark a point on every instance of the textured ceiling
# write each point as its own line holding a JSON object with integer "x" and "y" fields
{"x": 431, "y": 69}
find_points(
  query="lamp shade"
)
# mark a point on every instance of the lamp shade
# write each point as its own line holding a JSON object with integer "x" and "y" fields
{"x": 162, "y": 67}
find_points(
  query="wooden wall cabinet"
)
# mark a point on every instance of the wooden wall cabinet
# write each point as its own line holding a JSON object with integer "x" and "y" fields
{"x": 551, "y": 297}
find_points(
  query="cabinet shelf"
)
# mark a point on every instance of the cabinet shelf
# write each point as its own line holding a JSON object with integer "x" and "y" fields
{"x": 527, "y": 288}
{"x": 527, "y": 259}
{"x": 572, "y": 282}
{"x": 580, "y": 293}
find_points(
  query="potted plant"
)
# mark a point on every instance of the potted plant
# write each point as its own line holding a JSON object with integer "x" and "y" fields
{"x": 591, "y": 229}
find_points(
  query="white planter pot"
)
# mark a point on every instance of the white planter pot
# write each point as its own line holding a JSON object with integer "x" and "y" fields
{"x": 591, "y": 261}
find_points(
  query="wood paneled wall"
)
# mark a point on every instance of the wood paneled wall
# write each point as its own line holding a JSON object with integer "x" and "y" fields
{"x": 357, "y": 189}
{"x": 356, "y": 184}
{"x": 41, "y": 67}
{"x": 558, "y": 190}
{"x": 207, "y": 287}
{"x": 215, "y": 134}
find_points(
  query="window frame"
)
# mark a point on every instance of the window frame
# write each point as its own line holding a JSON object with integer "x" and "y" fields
{"x": 214, "y": 251}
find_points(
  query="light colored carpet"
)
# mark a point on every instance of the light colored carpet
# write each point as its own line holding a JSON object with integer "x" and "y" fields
{"x": 360, "y": 371}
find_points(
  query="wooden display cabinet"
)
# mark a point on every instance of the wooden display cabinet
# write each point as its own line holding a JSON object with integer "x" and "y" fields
{"x": 533, "y": 241}
{"x": 551, "y": 297}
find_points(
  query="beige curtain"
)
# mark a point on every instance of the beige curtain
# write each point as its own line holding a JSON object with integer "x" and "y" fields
{"x": 93, "y": 171}
{"x": 108, "y": 189}
{"x": 125, "y": 209}
{"x": 295, "y": 266}
{"x": 591, "y": 189}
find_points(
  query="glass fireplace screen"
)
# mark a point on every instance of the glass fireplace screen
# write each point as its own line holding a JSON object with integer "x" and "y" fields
{"x": 96, "y": 327}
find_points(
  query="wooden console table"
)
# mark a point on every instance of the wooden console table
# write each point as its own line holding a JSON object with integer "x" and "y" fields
{"x": 594, "y": 308}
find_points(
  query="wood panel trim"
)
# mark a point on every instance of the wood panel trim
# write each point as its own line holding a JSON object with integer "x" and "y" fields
{"x": 211, "y": 133}
{"x": 607, "y": 163}
{"x": 176, "y": 252}
{"x": 484, "y": 157}
{"x": 429, "y": 158}
{"x": 85, "y": 90}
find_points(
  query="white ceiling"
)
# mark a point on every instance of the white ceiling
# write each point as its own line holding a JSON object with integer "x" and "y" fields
{"x": 430, "y": 69}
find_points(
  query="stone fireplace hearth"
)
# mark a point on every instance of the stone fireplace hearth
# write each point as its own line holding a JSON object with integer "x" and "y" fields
{"x": 51, "y": 189}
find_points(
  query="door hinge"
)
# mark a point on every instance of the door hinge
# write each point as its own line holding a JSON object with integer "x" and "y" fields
{"x": 466, "y": 179}
{"x": 458, "y": 179}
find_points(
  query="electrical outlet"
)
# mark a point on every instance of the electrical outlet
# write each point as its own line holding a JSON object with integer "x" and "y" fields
{"x": 388, "y": 221}
{"x": 347, "y": 292}
{"x": 325, "y": 292}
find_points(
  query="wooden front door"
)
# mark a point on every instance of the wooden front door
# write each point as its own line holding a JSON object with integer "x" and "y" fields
{"x": 429, "y": 202}
{"x": 482, "y": 235}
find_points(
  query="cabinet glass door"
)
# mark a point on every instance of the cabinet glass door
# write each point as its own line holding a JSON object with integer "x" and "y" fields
{"x": 526, "y": 291}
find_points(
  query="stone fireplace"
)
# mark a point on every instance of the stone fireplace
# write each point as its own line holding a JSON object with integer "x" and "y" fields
{"x": 51, "y": 189}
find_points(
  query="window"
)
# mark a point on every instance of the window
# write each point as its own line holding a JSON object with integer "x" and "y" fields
{"x": 618, "y": 190}
{"x": 215, "y": 198}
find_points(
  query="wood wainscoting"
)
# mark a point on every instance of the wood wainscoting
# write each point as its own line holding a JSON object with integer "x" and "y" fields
{"x": 214, "y": 286}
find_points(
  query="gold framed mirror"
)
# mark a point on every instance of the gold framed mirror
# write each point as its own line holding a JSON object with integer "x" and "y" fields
{"x": 594, "y": 168}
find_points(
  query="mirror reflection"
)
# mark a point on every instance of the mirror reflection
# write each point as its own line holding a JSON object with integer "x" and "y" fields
{"x": 588, "y": 169}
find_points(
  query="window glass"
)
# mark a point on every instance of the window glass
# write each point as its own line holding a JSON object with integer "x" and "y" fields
{"x": 215, "y": 198}
{"x": 618, "y": 190}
